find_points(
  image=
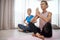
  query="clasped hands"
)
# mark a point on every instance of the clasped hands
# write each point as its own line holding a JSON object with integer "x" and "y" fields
{"x": 36, "y": 16}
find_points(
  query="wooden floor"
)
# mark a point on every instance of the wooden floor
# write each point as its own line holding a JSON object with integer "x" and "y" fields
{"x": 16, "y": 35}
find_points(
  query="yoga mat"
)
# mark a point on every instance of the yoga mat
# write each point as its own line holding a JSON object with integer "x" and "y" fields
{"x": 27, "y": 37}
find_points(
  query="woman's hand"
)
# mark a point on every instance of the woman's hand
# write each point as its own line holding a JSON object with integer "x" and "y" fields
{"x": 37, "y": 12}
{"x": 36, "y": 16}
{"x": 27, "y": 25}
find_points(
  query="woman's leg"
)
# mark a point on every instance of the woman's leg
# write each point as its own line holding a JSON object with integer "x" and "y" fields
{"x": 19, "y": 29}
{"x": 22, "y": 27}
{"x": 28, "y": 29}
{"x": 34, "y": 28}
{"x": 47, "y": 30}
{"x": 36, "y": 31}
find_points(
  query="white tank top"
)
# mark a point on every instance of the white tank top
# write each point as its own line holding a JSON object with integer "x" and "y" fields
{"x": 41, "y": 21}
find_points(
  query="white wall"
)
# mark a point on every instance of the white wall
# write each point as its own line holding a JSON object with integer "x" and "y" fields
{"x": 53, "y": 7}
{"x": 59, "y": 13}
{"x": 19, "y": 11}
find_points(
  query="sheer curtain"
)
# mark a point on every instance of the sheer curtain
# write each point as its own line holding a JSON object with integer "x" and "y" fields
{"x": 20, "y": 11}
{"x": 6, "y": 14}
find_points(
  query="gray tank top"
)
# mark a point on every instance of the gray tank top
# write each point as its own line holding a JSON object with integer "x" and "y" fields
{"x": 41, "y": 21}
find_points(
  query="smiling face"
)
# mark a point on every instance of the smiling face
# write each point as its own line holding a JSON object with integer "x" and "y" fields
{"x": 44, "y": 5}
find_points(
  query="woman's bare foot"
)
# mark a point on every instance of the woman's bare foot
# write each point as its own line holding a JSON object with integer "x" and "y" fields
{"x": 40, "y": 36}
{"x": 34, "y": 34}
{"x": 20, "y": 30}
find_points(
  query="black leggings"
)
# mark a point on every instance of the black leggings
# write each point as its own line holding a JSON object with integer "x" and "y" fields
{"x": 46, "y": 31}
